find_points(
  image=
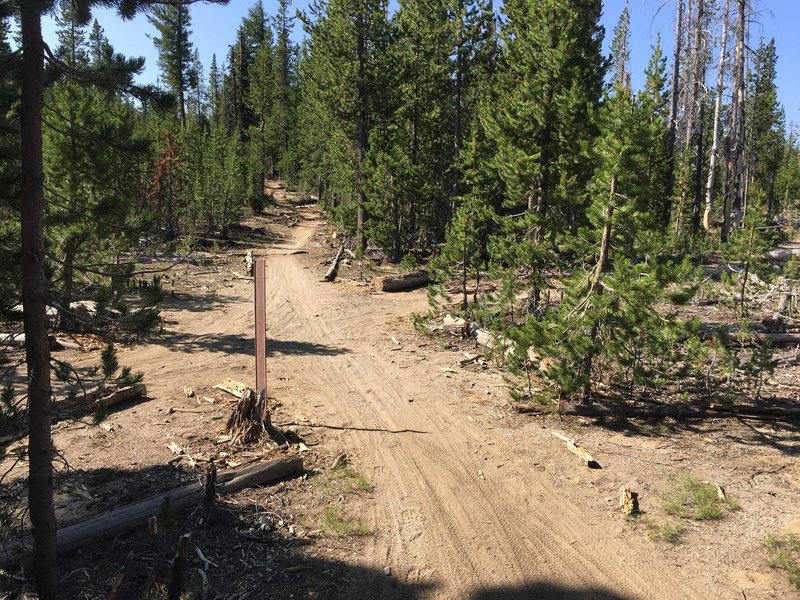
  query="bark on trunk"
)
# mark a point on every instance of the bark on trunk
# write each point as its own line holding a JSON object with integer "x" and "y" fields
{"x": 735, "y": 165}
{"x": 404, "y": 282}
{"x": 34, "y": 303}
{"x": 712, "y": 167}
{"x": 672, "y": 132}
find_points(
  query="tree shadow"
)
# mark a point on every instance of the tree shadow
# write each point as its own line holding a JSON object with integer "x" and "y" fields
{"x": 229, "y": 554}
{"x": 287, "y": 347}
{"x": 344, "y": 428}
{"x": 196, "y": 303}
{"x": 545, "y": 591}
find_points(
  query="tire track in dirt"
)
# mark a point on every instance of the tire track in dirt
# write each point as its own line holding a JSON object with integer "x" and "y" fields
{"x": 438, "y": 520}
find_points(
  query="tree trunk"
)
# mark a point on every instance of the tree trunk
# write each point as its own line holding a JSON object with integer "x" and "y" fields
{"x": 361, "y": 133}
{"x": 34, "y": 304}
{"x": 672, "y": 132}
{"x": 735, "y": 167}
{"x": 712, "y": 167}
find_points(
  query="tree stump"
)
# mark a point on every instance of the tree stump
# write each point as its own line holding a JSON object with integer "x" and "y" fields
{"x": 628, "y": 501}
{"x": 251, "y": 419}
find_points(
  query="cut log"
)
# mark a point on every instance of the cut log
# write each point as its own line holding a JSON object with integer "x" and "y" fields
{"x": 409, "y": 281}
{"x": 578, "y": 451}
{"x": 124, "y": 518}
{"x": 757, "y": 336}
{"x": 714, "y": 411}
{"x": 234, "y": 388}
{"x": 12, "y": 339}
{"x": 99, "y": 396}
{"x": 330, "y": 276}
{"x": 61, "y": 343}
{"x": 783, "y": 253}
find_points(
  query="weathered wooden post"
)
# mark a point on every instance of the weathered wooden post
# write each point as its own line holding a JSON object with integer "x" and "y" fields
{"x": 261, "y": 326}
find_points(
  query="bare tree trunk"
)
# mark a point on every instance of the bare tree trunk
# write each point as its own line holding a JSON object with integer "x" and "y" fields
{"x": 735, "y": 165}
{"x": 672, "y": 132}
{"x": 712, "y": 167}
{"x": 34, "y": 304}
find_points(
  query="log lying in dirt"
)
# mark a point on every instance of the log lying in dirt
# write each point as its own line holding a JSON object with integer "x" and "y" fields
{"x": 783, "y": 253}
{"x": 122, "y": 519}
{"x": 330, "y": 276}
{"x": 714, "y": 411}
{"x": 82, "y": 404}
{"x": 12, "y": 339}
{"x": 100, "y": 396}
{"x": 409, "y": 281}
{"x": 578, "y": 451}
{"x": 761, "y": 337}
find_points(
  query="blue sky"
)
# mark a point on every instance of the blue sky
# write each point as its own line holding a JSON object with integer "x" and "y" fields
{"x": 214, "y": 29}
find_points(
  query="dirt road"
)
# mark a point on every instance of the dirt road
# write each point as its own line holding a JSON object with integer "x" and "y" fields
{"x": 459, "y": 507}
{"x": 463, "y": 506}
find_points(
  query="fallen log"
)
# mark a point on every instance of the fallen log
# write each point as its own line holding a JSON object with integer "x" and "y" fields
{"x": 761, "y": 337}
{"x": 713, "y": 411}
{"x": 783, "y": 253}
{"x": 12, "y": 339}
{"x": 330, "y": 276}
{"x": 409, "y": 281}
{"x": 113, "y": 522}
{"x": 99, "y": 396}
{"x": 578, "y": 451}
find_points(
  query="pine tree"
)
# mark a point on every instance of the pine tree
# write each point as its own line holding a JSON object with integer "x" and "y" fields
{"x": 283, "y": 96}
{"x": 543, "y": 123}
{"x": 34, "y": 288}
{"x": 172, "y": 23}
{"x": 620, "y": 51}
{"x": 344, "y": 82}
{"x": 606, "y": 326}
{"x": 551, "y": 76}
{"x": 764, "y": 125}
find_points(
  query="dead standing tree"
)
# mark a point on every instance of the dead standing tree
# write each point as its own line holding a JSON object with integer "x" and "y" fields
{"x": 735, "y": 167}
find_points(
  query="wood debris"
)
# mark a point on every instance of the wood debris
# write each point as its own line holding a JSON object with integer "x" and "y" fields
{"x": 578, "y": 450}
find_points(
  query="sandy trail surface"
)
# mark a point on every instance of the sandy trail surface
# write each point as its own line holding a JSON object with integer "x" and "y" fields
{"x": 463, "y": 506}
{"x": 459, "y": 510}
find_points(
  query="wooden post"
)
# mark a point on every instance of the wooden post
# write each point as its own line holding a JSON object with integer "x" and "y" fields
{"x": 261, "y": 325}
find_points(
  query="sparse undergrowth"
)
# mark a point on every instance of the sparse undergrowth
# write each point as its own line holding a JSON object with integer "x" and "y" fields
{"x": 698, "y": 500}
{"x": 342, "y": 479}
{"x": 332, "y": 522}
{"x": 691, "y": 499}
{"x": 668, "y": 531}
{"x": 784, "y": 554}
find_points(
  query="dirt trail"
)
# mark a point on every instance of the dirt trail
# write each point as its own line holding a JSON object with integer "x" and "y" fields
{"x": 446, "y": 514}
{"x": 460, "y": 509}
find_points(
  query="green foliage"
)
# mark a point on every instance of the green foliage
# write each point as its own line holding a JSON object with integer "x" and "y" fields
{"x": 747, "y": 247}
{"x": 784, "y": 554}
{"x": 9, "y": 409}
{"x": 109, "y": 361}
{"x": 166, "y": 517}
{"x": 668, "y": 531}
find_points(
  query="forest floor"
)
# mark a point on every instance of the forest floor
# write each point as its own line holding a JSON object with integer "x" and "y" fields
{"x": 448, "y": 493}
